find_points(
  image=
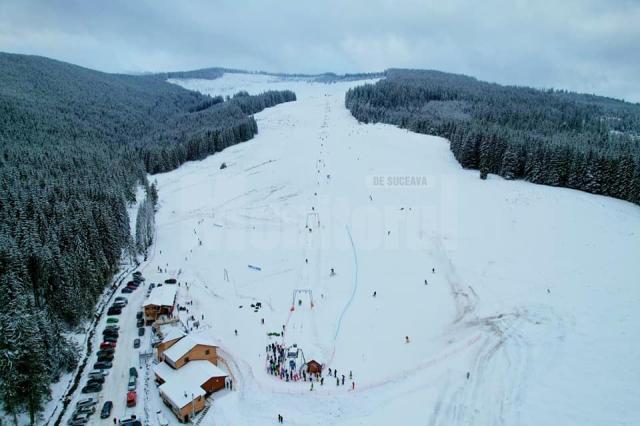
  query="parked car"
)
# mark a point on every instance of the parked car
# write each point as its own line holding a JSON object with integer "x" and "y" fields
{"x": 126, "y": 290}
{"x": 92, "y": 388}
{"x": 114, "y": 311}
{"x": 102, "y": 365}
{"x": 121, "y": 299}
{"x": 89, "y": 409}
{"x": 79, "y": 419}
{"x": 106, "y": 351}
{"x": 136, "y": 343}
{"x": 137, "y": 273}
{"x": 107, "y": 345}
{"x": 140, "y": 323}
{"x": 133, "y": 372}
{"x": 152, "y": 285}
{"x": 106, "y": 410}
{"x": 139, "y": 315}
{"x": 112, "y": 339}
{"x": 110, "y": 331}
{"x": 105, "y": 357}
{"x": 86, "y": 401}
{"x": 112, "y": 320}
{"x": 132, "y": 398}
{"x": 96, "y": 379}
{"x": 119, "y": 305}
{"x": 133, "y": 381}
{"x": 162, "y": 420}
{"x": 141, "y": 331}
{"x": 96, "y": 376}
{"x": 99, "y": 372}
{"x": 112, "y": 327}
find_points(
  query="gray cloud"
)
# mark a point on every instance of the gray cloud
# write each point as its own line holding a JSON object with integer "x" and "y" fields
{"x": 583, "y": 45}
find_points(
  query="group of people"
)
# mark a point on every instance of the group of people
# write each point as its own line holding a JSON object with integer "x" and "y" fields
{"x": 278, "y": 364}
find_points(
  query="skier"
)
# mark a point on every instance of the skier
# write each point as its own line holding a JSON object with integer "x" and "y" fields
{"x": 468, "y": 374}
{"x": 433, "y": 270}
{"x": 353, "y": 385}
{"x": 311, "y": 387}
{"x": 236, "y": 331}
{"x": 370, "y": 198}
{"x": 350, "y": 375}
{"x": 343, "y": 380}
{"x": 337, "y": 382}
{"x": 425, "y": 282}
{"x": 262, "y": 321}
{"x": 406, "y": 339}
{"x": 374, "y": 293}
{"x": 322, "y": 381}
{"x": 306, "y": 260}
{"x": 332, "y": 273}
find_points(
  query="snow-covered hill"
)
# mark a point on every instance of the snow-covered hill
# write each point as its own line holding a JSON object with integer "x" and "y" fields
{"x": 529, "y": 314}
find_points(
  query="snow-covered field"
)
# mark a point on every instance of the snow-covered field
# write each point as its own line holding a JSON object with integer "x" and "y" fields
{"x": 529, "y": 315}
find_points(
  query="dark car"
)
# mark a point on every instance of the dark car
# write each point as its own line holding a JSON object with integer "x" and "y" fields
{"x": 140, "y": 323}
{"x": 106, "y": 357}
{"x": 95, "y": 379}
{"x": 110, "y": 339}
{"x": 102, "y": 365}
{"x": 105, "y": 352}
{"x": 139, "y": 315}
{"x": 114, "y": 311}
{"x": 136, "y": 343}
{"x": 110, "y": 333}
{"x": 133, "y": 372}
{"x": 126, "y": 290}
{"x": 92, "y": 388}
{"x": 106, "y": 410}
{"x": 119, "y": 304}
{"x": 141, "y": 331}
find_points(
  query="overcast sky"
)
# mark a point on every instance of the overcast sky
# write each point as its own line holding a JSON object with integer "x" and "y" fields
{"x": 585, "y": 45}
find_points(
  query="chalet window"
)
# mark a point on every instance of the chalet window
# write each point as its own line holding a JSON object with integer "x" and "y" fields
{"x": 206, "y": 352}
{"x": 186, "y": 360}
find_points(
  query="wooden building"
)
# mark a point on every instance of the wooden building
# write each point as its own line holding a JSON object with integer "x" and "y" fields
{"x": 185, "y": 390}
{"x": 189, "y": 348}
{"x": 161, "y": 301}
{"x": 314, "y": 367}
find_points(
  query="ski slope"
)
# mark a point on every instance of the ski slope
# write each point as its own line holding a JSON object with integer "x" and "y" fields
{"x": 529, "y": 316}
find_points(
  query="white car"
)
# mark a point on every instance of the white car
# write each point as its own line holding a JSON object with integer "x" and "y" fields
{"x": 162, "y": 420}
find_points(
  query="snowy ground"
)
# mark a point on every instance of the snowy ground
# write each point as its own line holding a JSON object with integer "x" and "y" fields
{"x": 529, "y": 316}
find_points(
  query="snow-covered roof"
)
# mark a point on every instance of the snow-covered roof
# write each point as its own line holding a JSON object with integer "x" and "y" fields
{"x": 184, "y": 345}
{"x": 162, "y": 296}
{"x": 181, "y": 393}
{"x": 171, "y": 333}
{"x": 187, "y": 379}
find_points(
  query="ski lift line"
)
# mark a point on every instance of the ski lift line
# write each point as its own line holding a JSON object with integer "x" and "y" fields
{"x": 355, "y": 284}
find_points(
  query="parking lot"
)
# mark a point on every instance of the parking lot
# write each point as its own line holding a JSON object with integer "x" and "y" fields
{"x": 125, "y": 356}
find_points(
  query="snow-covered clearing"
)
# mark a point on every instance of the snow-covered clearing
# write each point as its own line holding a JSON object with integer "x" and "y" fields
{"x": 528, "y": 317}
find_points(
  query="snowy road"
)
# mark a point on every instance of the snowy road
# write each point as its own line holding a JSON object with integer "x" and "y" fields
{"x": 519, "y": 301}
